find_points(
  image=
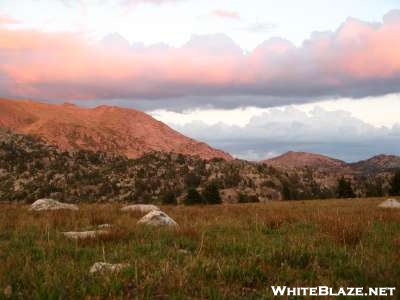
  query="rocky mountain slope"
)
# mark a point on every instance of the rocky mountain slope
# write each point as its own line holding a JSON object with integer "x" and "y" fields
{"x": 108, "y": 129}
{"x": 378, "y": 163}
{"x": 31, "y": 169}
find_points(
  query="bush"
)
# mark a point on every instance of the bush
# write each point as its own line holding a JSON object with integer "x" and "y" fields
{"x": 244, "y": 198}
{"x": 193, "y": 197}
{"x": 344, "y": 189}
{"x": 211, "y": 193}
{"x": 395, "y": 185}
{"x": 169, "y": 198}
{"x": 192, "y": 180}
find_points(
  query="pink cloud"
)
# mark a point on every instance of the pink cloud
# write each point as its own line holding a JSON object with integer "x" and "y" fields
{"x": 359, "y": 59}
{"x": 4, "y": 19}
{"x": 221, "y": 13}
{"x": 135, "y": 2}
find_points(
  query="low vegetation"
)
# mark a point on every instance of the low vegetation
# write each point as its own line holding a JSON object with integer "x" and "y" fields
{"x": 218, "y": 252}
{"x": 30, "y": 170}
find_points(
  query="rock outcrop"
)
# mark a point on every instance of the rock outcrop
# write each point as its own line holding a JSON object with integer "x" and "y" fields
{"x": 50, "y": 204}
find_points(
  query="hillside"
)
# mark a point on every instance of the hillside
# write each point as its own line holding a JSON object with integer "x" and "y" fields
{"x": 108, "y": 129}
{"x": 334, "y": 167}
{"x": 377, "y": 163}
{"x": 30, "y": 169}
{"x": 293, "y": 159}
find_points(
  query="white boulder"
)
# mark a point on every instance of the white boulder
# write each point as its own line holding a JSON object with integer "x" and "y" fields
{"x": 81, "y": 235}
{"x": 141, "y": 208}
{"x": 390, "y": 203}
{"x": 104, "y": 226}
{"x": 157, "y": 218}
{"x": 50, "y": 204}
{"x": 101, "y": 267}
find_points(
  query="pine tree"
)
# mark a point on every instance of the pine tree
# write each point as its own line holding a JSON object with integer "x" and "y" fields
{"x": 344, "y": 189}
{"x": 395, "y": 185}
{"x": 192, "y": 180}
{"x": 169, "y": 198}
{"x": 286, "y": 194}
{"x": 211, "y": 193}
{"x": 192, "y": 197}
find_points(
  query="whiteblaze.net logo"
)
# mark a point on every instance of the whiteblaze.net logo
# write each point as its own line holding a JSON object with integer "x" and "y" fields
{"x": 327, "y": 291}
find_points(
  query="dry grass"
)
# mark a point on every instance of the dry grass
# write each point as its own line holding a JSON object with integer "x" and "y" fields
{"x": 218, "y": 252}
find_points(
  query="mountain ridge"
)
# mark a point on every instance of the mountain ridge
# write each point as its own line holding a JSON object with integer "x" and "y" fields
{"x": 104, "y": 128}
{"x": 293, "y": 159}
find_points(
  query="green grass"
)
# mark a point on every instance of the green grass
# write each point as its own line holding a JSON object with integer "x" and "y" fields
{"x": 233, "y": 251}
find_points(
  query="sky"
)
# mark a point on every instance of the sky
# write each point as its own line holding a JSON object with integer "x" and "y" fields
{"x": 255, "y": 78}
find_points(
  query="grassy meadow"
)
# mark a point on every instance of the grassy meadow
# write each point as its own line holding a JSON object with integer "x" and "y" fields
{"x": 218, "y": 252}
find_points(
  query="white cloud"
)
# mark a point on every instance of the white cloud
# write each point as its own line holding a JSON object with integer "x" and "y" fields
{"x": 377, "y": 111}
{"x": 262, "y": 133}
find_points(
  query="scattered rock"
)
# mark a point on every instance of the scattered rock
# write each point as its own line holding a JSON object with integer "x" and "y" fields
{"x": 104, "y": 226}
{"x": 157, "y": 218}
{"x": 101, "y": 267}
{"x": 141, "y": 208}
{"x": 390, "y": 203}
{"x": 50, "y": 204}
{"x": 77, "y": 235}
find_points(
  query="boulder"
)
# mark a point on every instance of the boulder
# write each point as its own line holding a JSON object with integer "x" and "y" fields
{"x": 101, "y": 267}
{"x": 157, "y": 218}
{"x": 390, "y": 203}
{"x": 50, "y": 204}
{"x": 141, "y": 208}
{"x": 81, "y": 235}
{"x": 104, "y": 226}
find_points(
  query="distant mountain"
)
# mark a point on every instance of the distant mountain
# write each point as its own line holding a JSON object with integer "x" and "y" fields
{"x": 105, "y": 128}
{"x": 377, "y": 163}
{"x": 293, "y": 159}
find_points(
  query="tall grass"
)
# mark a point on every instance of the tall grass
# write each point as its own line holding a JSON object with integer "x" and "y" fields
{"x": 218, "y": 252}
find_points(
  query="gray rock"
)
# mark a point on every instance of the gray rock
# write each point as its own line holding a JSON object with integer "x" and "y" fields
{"x": 157, "y": 218}
{"x": 50, "y": 204}
{"x": 390, "y": 203}
{"x": 104, "y": 226}
{"x": 102, "y": 267}
{"x": 77, "y": 235}
{"x": 141, "y": 208}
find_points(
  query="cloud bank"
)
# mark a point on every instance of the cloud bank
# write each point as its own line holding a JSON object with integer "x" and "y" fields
{"x": 359, "y": 59}
{"x": 280, "y": 130}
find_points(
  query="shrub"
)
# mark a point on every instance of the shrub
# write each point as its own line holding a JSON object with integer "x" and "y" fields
{"x": 211, "y": 193}
{"x": 344, "y": 189}
{"x": 395, "y": 184}
{"x": 244, "y": 198}
{"x": 169, "y": 198}
{"x": 193, "y": 197}
{"x": 192, "y": 180}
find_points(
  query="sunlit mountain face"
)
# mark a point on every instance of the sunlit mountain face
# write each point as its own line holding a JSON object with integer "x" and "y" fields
{"x": 109, "y": 129}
